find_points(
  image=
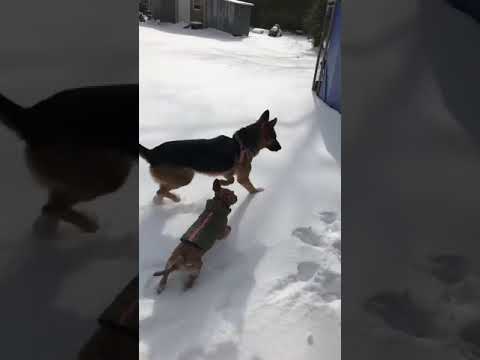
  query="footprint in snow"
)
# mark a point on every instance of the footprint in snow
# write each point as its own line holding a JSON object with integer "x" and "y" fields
{"x": 448, "y": 269}
{"x": 328, "y": 217}
{"x": 305, "y": 271}
{"x": 308, "y": 236}
{"x": 454, "y": 273}
{"x": 327, "y": 284}
{"x": 401, "y": 313}
{"x": 322, "y": 282}
{"x": 330, "y": 234}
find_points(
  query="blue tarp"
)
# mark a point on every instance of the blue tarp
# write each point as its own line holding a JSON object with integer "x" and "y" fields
{"x": 330, "y": 87}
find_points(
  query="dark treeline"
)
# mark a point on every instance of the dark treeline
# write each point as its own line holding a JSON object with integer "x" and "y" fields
{"x": 306, "y": 15}
{"x": 289, "y": 14}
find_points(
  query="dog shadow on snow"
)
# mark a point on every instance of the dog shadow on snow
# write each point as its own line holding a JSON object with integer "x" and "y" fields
{"x": 192, "y": 309}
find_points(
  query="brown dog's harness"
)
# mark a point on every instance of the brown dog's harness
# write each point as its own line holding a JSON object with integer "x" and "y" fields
{"x": 209, "y": 226}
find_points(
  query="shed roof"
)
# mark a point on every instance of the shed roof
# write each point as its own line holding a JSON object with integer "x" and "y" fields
{"x": 240, "y": 2}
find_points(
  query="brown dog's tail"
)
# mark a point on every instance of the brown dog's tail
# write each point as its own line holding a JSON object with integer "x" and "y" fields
{"x": 144, "y": 152}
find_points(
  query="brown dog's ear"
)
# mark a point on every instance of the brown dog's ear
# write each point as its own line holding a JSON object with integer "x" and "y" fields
{"x": 216, "y": 185}
{"x": 264, "y": 117}
{"x": 273, "y": 122}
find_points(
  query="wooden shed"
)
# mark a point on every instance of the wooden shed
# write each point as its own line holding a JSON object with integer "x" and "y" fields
{"x": 232, "y": 16}
{"x": 172, "y": 11}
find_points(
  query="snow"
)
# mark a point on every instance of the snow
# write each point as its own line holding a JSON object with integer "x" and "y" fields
{"x": 418, "y": 172}
{"x": 258, "y": 30}
{"x": 271, "y": 290}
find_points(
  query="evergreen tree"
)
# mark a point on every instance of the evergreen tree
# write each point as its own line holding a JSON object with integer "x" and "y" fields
{"x": 314, "y": 20}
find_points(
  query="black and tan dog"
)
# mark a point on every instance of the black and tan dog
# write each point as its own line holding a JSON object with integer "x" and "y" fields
{"x": 210, "y": 226}
{"x": 80, "y": 144}
{"x": 173, "y": 164}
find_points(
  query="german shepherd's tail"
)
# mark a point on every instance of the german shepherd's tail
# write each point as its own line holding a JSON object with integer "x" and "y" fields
{"x": 144, "y": 152}
{"x": 11, "y": 116}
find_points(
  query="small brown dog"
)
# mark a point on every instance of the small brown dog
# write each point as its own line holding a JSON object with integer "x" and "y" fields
{"x": 210, "y": 226}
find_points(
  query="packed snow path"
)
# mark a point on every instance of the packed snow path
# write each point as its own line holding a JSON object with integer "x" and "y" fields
{"x": 271, "y": 290}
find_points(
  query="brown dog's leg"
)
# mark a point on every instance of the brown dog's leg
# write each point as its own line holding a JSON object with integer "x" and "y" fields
{"x": 193, "y": 275}
{"x": 163, "y": 282}
{"x": 244, "y": 180}
{"x": 191, "y": 280}
{"x": 171, "y": 266}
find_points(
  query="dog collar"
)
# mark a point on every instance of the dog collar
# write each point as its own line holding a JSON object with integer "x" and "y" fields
{"x": 245, "y": 152}
{"x": 191, "y": 243}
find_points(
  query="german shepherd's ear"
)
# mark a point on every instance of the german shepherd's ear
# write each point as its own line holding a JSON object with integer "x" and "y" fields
{"x": 216, "y": 185}
{"x": 264, "y": 117}
{"x": 273, "y": 122}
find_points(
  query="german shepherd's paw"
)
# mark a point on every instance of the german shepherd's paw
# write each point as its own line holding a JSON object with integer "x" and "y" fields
{"x": 158, "y": 199}
{"x": 257, "y": 190}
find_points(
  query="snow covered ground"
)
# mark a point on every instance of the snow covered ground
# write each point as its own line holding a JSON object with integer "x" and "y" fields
{"x": 271, "y": 290}
{"x": 411, "y": 190}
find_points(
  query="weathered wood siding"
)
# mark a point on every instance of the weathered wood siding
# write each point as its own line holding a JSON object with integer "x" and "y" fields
{"x": 164, "y": 10}
{"x": 231, "y": 17}
{"x": 183, "y": 11}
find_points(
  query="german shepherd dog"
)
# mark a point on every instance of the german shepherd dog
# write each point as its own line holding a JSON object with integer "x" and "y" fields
{"x": 210, "y": 226}
{"x": 80, "y": 144}
{"x": 173, "y": 164}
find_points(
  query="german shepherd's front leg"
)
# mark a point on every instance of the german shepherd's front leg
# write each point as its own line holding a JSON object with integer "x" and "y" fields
{"x": 243, "y": 179}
